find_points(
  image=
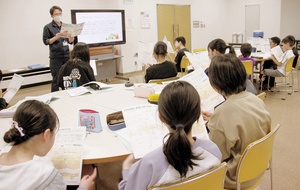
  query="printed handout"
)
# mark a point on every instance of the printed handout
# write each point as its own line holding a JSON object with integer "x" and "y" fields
{"x": 13, "y": 87}
{"x": 67, "y": 153}
{"x": 209, "y": 97}
{"x": 147, "y": 132}
{"x": 72, "y": 30}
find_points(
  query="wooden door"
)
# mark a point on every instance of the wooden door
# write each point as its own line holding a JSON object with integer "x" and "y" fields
{"x": 174, "y": 21}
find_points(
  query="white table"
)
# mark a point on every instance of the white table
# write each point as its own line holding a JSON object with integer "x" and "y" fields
{"x": 98, "y": 147}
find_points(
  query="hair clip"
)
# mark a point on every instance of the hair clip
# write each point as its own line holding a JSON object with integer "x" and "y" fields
{"x": 179, "y": 125}
{"x": 20, "y": 129}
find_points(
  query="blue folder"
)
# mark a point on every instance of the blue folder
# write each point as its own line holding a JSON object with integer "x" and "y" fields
{"x": 35, "y": 66}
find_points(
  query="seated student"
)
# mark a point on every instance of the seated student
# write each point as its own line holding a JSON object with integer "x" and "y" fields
{"x": 246, "y": 50}
{"x": 287, "y": 46}
{"x": 33, "y": 133}
{"x": 77, "y": 71}
{"x": 3, "y": 103}
{"x": 240, "y": 120}
{"x": 163, "y": 68}
{"x": 274, "y": 41}
{"x": 179, "y": 44}
{"x": 218, "y": 46}
{"x": 182, "y": 155}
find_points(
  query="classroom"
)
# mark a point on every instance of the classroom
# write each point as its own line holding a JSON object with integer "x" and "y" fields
{"x": 22, "y": 45}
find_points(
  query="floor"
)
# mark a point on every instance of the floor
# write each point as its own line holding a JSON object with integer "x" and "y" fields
{"x": 286, "y": 169}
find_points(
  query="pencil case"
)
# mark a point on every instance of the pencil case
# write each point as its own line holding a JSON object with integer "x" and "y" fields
{"x": 90, "y": 119}
{"x": 153, "y": 98}
{"x": 115, "y": 121}
{"x": 143, "y": 91}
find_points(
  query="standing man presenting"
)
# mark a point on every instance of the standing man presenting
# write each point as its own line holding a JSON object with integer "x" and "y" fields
{"x": 58, "y": 46}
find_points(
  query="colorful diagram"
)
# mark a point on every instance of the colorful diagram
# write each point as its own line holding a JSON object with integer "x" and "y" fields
{"x": 113, "y": 37}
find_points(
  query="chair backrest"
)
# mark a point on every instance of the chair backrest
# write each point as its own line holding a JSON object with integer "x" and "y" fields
{"x": 248, "y": 66}
{"x": 184, "y": 63}
{"x": 256, "y": 157}
{"x": 160, "y": 81}
{"x": 289, "y": 66}
{"x": 199, "y": 49}
{"x": 211, "y": 179}
{"x": 262, "y": 95}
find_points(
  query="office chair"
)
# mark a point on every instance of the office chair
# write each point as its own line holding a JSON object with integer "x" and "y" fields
{"x": 160, "y": 81}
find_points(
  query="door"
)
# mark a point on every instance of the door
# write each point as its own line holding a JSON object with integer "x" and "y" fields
{"x": 174, "y": 21}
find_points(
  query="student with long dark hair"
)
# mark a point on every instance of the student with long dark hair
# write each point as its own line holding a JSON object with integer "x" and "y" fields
{"x": 33, "y": 133}
{"x": 182, "y": 155}
{"x": 77, "y": 71}
{"x": 240, "y": 120}
{"x": 163, "y": 68}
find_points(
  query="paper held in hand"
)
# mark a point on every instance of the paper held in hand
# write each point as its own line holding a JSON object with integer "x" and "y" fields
{"x": 13, "y": 87}
{"x": 209, "y": 97}
{"x": 146, "y": 131}
{"x": 72, "y": 30}
{"x": 277, "y": 52}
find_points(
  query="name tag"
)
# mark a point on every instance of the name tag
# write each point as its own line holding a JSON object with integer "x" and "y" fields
{"x": 65, "y": 43}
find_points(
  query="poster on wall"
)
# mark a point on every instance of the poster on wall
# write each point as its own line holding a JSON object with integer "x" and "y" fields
{"x": 145, "y": 20}
{"x": 129, "y": 23}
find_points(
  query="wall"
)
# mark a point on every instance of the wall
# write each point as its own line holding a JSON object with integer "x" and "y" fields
{"x": 290, "y": 14}
{"x": 22, "y": 28}
{"x": 269, "y": 16}
{"x": 201, "y": 10}
{"x": 22, "y": 45}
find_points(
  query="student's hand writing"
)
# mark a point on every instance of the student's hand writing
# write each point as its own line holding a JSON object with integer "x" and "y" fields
{"x": 87, "y": 181}
{"x": 206, "y": 115}
{"x": 129, "y": 161}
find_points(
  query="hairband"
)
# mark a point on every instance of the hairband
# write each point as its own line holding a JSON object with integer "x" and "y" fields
{"x": 20, "y": 129}
{"x": 179, "y": 125}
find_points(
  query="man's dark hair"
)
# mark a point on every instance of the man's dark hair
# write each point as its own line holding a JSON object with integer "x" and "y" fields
{"x": 246, "y": 49}
{"x": 53, "y": 8}
{"x": 181, "y": 39}
{"x": 276, "y": 40}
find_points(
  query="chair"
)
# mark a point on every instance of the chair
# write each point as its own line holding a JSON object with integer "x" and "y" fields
{"x": 249, "y": 68}
{"x": 256, "y": 159}
{"x": 211, "y": 179}
{"x": 160, "y": 81}
{"x": 288, "y": 68}
{"x": 184, "y": 64}
{"x": 296, "y": 71}
{"x": 199, "y": 49}
{"x": 262, "y": 96}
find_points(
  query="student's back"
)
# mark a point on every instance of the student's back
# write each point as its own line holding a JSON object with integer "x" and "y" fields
{"x": 76, "y": 72}
{"x": 182, "y": 155}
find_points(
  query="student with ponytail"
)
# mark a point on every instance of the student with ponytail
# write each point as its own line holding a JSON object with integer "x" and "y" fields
{"x": 33, "y": 133}
{"x": 182, "y": 155}
{"x": 163, "y": 68}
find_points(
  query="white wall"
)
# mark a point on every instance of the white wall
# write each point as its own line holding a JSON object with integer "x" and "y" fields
{"x": 22, "y": 28}
{"x": 21, "y": 38}
{"x": 290, "y": 18}
{"x": 269, "y": 16}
